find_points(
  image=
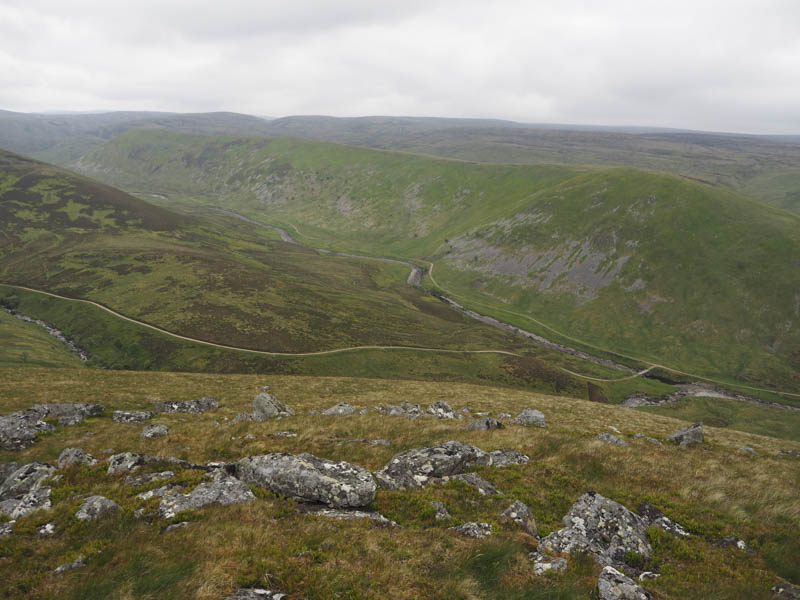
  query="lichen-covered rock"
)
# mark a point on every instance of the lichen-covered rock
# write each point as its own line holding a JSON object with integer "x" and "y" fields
{"x": 20, "y": 430}
{"x": 128, "y": 461}
{"x": 75, "y": 456}
{"x": 413, "y": 469}
{"x": 689, "y": 436}
{"x": 151, "y": 432}
{"x": 531, "y": 416}
{"x": 266, "y": 406}
{"x": 613, "y": 585}
{"x": 441, "y": 410}
{"x": 26, "y": 478}
{"x": 654, "y": 517}
{"x": 608, "y": 438}
{"x": 484, "y": 424}
{"x": 95, "y": 507}
{"x": 255, "y": 594}
{"x": 72, "y": 412}
{"x": 131, "y": 416}
{"x": 307, "y": 478}
{"x": 342, "y": 409}
{"x": 505, "y": 458}
{"x": 520, "y": 514}
{"x": 190, "y": 406}
{"x": 543, "y": 564}
{"x": 603, "y": 528}
{"x": 7, "y": 469}
{"x": 474, "y": 530}
{"x": 35, "y": 499}
{"x": 224, "y": 490}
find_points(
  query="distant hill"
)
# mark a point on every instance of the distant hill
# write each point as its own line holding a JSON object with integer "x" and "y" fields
{"x": 648, "y": 264}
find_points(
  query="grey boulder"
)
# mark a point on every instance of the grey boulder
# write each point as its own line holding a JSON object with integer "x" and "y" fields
{"x": 36, "y": 499}
{"x": 25, "y": 479}
{"x": 75, "y": 564}
{"x": 531, "y": 416}
{"x": 520, "y": 514}
{"x": 151, "y": 432}
{"x": 128, "y": 461}
{"x": 484, "y": 424}
{"x": 609, "y": 438}
{"x": 95, "y": 507}
{"x": 687, "y": 437}
{"x": 413, "y": 469}
{"x": 307, "y": 478}
{"x": 647, "y": 438}
{"x": 75, "y": 456}
{"x": 20, "y": 430}
{"x": 543, "y": 564}
{"x": 601, "y": 527}
{"x": 266, "y": 406}
{"x": 131, "y": 416}
{"x": 506, "y": 458}
{"x": 223, "y": 490}
{"x": 339, "y": 410}
{"x": 474, "y": 530}
{"x": 654, "y": 517}
{"x": 613, "y": 585}
{"x": 441, "y": 410}
{"x": 190, "y": 406}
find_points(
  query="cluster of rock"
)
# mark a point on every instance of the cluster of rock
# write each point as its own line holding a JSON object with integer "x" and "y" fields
{"x": 20, "y": 430}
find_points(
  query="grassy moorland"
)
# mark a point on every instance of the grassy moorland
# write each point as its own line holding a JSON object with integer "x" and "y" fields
{"x": 658, "y": 267}
{"x": 29, "y": 344}
{"x": 712, "y": 490}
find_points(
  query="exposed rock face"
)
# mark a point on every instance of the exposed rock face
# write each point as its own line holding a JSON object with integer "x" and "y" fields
{"x": 613, "y": 585}
{"x": 608, "y": 438}
{"x": 543, "y": 563}
{"x": 95, "y": 507}
{"x": 7, "y": 469}
{"x": 471, "y": 479}
{"x": 75, "y": 456}
{"x": 603, "y": 528}
{"x": 413, "y": 469}
{"x": 132, "y": 416}
{"x": 441, "y": 410}
{"x": 505, "y": 458}
{"x": 484, "y": 424}
{"x": 646, "y": 438}
{"x": 654, "y": 517}
{"x": 531, "y": 416}
{"x": 266, "y": 406}
{"x": 128, "y": 461}
{"x": 339, "y": 410}
{"x": 474, "y": 530}
{"x": 255, "y": 594}
{"x": 520, "y": 514}
{"x": 190, "y": 406}
{"x": 224, "y": 490}
{"x": 689, "y": 436}
{"x": 310, "y": 479}
{"x": 151, "y": 432}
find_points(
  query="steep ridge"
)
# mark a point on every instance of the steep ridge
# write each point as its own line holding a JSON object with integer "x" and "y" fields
{"x": 643, "y": 263}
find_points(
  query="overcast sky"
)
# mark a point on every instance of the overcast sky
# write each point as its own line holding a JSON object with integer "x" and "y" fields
{"x": 727, "y": 65}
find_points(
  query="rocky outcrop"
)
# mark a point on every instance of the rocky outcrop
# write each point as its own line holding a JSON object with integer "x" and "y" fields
{"x": 506, "y": 458}
{"x": 531, "y": 416}
{"x": 194, "y": 407}
{"x": 688, "y": 437}
{"x": 608, "y": 438}
{"x": 75, "y": 456}
{"x": 342, "y": 409}
{"x": 95, "y": 507}
{"x": 307, "y": 478}
{"x": 613, "y": 585}
{"x": 601, "y": 527}
{"x": 441, "y": 410}
{"x": 151, "y": 432}
{"x": 20, "y": 430}
{"x": 131, "y": 416}
{"x": 474, "y": 530}
{"x": 266, "y": 406}
{"x": 413, "y": 469}
{"x": 521, "y": 515}
{"x": 484, "y": 424}
{"x": 224, "y": 490}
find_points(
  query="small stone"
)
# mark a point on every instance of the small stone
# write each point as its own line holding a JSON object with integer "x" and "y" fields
{"x": 608, "y": 438}
{"x": 336, "y": 513}
{"x": 6, "y": 528}
{"x": 441, "y": 410}
{"x": 342, "y": 409}
{"x": 283, "y": 434}
{"x": 646, "y": 438}
{"x": 520, "y": 514}
{"x": 154, "y": 431}
{"x": 255, "y": 594}
{"x": 506, "y": 458}
{"x": 176, "y": 526}
{"x": 170, "y": 489}
{"x": 543, "y": 564}
{"x": 45, "y": 530}
{"x": 484, "y": 424}
{"x": 75, "y": 456}
{"x": 131, "y": 416}
{"x": 441, "y": 510}
{"x": 404, "y": 409}
{"x": 75, "y": 564}
{"x": 733, "y": 541}
{"x": 786, "y": 591}
{"x": 747, "y": 450}
{"x": 474, "y": 530}
{"x": 503, "y": 415}
{"x": 613, "y": 585}
{"x": 654, "y": 517}
{"x": 95, "y": 507}
{"x": 531, "y": 416}
{"x": 648, "y": 575}
{"x": 137, "y": 480}
{"x": 128, "y": 461}
{"x": 26, "y": 478}
{"x": 687, "y": 437}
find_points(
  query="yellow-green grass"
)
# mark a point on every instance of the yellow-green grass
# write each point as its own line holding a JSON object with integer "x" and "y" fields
{"x": 713, "y": 490}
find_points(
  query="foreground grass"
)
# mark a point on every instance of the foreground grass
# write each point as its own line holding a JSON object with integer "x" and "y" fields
{"x": 712, "y": 490}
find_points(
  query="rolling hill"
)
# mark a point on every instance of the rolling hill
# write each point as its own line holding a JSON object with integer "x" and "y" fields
{"x": 656, "y": 266}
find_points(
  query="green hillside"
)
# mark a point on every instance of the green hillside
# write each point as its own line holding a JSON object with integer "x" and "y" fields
{"x": 28, "y": 344}
{"x": 659, "y": 267}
